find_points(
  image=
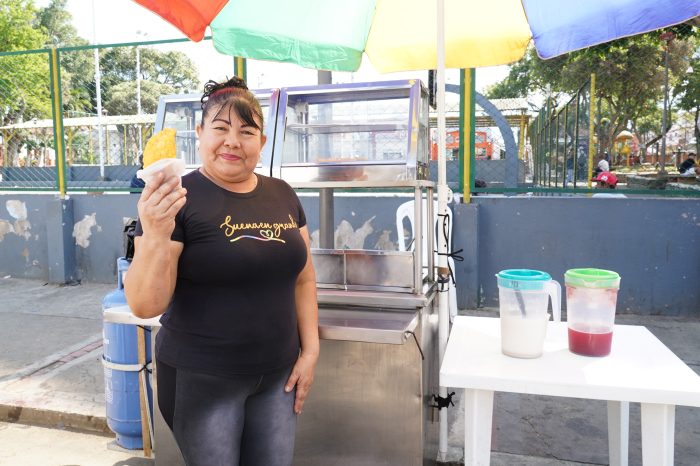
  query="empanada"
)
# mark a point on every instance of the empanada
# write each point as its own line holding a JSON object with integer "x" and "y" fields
{"x": 160, "y": 146}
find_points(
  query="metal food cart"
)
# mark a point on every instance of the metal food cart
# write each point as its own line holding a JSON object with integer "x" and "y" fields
{"x": 372, "y": 395}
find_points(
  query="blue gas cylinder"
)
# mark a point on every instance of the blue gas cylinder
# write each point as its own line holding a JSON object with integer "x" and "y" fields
{"x": 121, "y": 370}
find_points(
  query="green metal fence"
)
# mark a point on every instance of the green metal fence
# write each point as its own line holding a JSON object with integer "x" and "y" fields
{"x": 27, "y": 146}
{"x": 69, "y": 125}
{"x": 560, "y": 140}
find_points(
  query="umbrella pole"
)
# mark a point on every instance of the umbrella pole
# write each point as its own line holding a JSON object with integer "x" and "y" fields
{"x": 442, "y": 189}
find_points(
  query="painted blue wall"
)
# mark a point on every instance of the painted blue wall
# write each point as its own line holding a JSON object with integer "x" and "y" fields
{"x": 23, "y": 236}
{"x": 653, "y": 243}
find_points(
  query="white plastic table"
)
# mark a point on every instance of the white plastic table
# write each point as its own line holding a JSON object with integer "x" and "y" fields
{"x": 639, "y": 369}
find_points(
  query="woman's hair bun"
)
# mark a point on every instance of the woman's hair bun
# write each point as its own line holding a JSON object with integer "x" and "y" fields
{"x": 212, "y": 86}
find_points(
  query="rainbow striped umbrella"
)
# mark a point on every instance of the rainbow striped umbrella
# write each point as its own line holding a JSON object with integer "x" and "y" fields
{"x": 400, "y": 35}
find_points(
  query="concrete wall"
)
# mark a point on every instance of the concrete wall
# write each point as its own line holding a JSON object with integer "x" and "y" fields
{"x": 23, "y": 236}
{"x": 26, "y": 242}
{"x": 101, "y": 220}
{"x": 653, "y": 243}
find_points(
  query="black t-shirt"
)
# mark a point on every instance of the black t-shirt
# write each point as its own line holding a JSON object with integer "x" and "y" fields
{"x": 233, "y": 310}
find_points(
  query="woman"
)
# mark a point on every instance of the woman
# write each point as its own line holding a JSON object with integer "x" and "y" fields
{"x": 226, "y": 257}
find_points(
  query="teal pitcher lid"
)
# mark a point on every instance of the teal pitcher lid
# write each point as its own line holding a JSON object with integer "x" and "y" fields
{"x": 592, "y": 278}
{"x": 522, "y": 279}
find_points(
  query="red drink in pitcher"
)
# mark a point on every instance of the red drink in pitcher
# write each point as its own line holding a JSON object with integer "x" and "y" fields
{"x": 591, "y": 300}
{"x": 587, "y": 342}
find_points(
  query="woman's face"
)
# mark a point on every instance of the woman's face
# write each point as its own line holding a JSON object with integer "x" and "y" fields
{"x": 229, "y": 148}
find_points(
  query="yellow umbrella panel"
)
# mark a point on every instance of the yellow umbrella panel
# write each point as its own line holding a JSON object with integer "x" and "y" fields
{"x": 403, "y": 34}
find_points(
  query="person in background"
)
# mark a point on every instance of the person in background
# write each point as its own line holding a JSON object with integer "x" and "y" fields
{"x": 582, "y": 163}
{"x": 687, "y": 168}
{"x": 603, "y": 164}
{"x": 605, "y": 181}
{"x": 136, "y": 182}
{"x": 226, "y": 259}
{"x": 569, "y": 169}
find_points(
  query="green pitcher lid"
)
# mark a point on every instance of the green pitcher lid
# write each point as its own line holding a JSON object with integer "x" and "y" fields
{"x": 592, "y": 278}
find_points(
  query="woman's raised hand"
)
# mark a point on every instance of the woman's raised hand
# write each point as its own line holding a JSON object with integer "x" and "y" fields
{"x": 160, "y": 201}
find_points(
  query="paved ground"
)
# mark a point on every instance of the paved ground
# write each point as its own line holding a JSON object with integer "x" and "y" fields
{"x": 25, "y": 445}
{"x": 51, "y": 375}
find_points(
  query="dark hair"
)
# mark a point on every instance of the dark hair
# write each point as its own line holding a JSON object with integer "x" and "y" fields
{"x": 234, "y": 95}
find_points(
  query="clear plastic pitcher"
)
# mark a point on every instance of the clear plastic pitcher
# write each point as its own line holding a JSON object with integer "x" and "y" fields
{"x": 524, "y": 297}
{"x": 591, "y": 298}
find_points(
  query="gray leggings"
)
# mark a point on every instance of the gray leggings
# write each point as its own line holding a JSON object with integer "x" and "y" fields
{"x": 245, "y": 420}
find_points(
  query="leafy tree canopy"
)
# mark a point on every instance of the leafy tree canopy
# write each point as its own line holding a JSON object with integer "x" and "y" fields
{"x": 516, "y": 84}
{"x": 688, "y": 91}
{"x": 123, "y": 97}
{"x": 169, "y": 72}
{"x": 56, "y": 22}
{"x": 629, "y": 77}
{"x": 18, "y": 26}
{"x": 76, "y": 65}
{"x": 23, "y": 78}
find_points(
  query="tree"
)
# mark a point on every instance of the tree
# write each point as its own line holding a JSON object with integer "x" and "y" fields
{"x": 629, "y": 78}
{"x": 516, "y": 84}
{"x": 172, "y": 68}
{"x": 629, "y": 75}
{"x": 56, "y": 21}
{"x": 688, "y": 91}
{"x": 523, "y": 81}
{"x": 18, "y": 29}
{"x": 76, "y": 65}
{"x": 118, "y": 65}
{"x": 24, "y": 92}
{"x": 122, "y": 99}
{"x": 25, "y": 80}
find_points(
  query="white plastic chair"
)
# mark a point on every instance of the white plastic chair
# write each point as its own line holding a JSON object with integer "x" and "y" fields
{"x": 405, "y": 211}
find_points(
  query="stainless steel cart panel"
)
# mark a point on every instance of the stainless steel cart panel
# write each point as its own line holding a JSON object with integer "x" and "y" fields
{"x": 364, "y": 269}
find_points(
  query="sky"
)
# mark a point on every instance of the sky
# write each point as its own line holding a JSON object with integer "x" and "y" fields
{"x": 118, "y": 21}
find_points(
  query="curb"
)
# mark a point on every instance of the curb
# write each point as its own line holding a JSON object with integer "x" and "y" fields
{"x": 54, "y": 419}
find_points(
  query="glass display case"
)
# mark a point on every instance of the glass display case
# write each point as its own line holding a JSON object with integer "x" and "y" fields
{"x": 352, "y": 132}
{"x": 184, "y": 111}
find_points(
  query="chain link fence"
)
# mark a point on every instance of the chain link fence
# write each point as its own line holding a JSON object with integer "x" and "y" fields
{"x": 560, "y": 139}
{"x": 70, "y": 125}
{"x": 452, "y": 153}
{"x": 27, "y": 157}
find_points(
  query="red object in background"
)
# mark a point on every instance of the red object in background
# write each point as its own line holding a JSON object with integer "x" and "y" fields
{"x": 667, "y": 36}
{"x": 482, "y": 146}
{"x": 606, "y": 177}
{"x": 590, "y": 344}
